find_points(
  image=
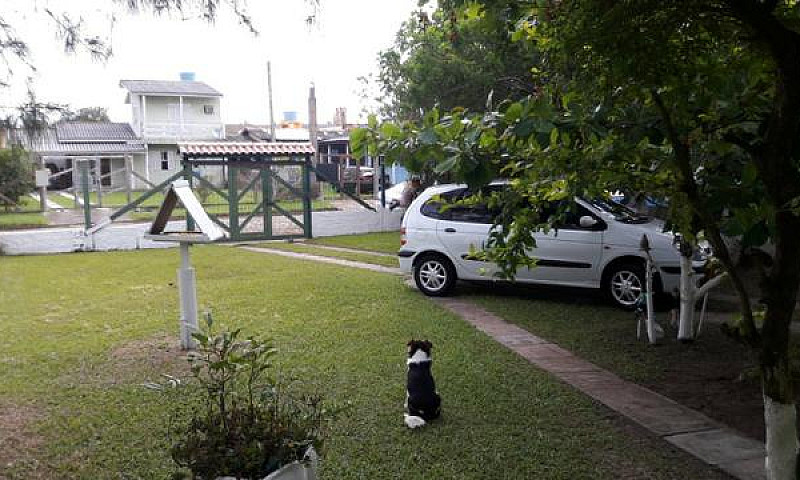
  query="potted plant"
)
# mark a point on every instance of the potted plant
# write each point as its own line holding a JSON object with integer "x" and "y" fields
{"x": 238, "y": 422}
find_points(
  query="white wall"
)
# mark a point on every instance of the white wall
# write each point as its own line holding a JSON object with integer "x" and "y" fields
{"x": 158, "y": 110}
{"x": 154, "y": 152}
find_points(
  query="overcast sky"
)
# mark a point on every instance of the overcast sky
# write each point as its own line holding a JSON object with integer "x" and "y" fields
{"x": 341, "y": 47}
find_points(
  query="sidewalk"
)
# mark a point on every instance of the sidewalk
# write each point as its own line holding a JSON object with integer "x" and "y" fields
{"x": 130, "y": 236}
{"x": 710, "y": 441}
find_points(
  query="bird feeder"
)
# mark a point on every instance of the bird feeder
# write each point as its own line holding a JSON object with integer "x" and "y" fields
{"x": 206, "y": 231}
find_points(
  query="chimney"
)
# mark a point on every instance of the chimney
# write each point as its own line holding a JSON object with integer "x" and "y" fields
{"x": 312, "y": 119}
{"x": 340, "y": 118}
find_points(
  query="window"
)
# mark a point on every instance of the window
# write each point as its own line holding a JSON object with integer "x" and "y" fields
{"x": 208, "y": 109}
{"x": 441, "y": 207}
{"x": 164, "y": 160}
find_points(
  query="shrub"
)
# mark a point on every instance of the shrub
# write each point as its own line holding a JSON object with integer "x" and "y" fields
{"x": 16, "y": 175}
{"x": 242, "y": 422}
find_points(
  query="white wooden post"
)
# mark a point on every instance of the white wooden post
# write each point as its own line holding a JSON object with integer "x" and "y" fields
{"x": 43, "y": 188}
{"x": 129, "y": 177}
{"x": 188, "y": 293}
{"x": 98, "y": 178}
{"x": 75, "y": 182}
{"x": 180, "y": 118}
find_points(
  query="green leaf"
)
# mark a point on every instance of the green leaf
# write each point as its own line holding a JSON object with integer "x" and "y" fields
{"x": 447, "y": 165}
{"x": 513, "y": 112}
{"x": 428, "y": 137}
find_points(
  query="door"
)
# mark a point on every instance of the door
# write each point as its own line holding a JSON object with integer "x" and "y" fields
{"x": 570, "y": 254}
{"x": 105, "y": 172}
{"x": 464, "y": 230}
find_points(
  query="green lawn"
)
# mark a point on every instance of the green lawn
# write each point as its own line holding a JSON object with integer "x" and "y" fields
{"x": 21, "y": 220}
{"x": 385, "y": 242}
{"x": 73, "y": 359}
{"x": 586, "y": 325}
{"x": 63, "y": 201}
{"x": 324, "y": 252}
{"x": 119, "y": 199}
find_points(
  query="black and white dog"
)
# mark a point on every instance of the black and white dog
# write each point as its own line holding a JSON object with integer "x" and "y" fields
{"x": 422, "y": 401}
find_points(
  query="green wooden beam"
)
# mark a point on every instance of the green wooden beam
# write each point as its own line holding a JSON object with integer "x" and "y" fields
{"x": 266, "y": 199}
{"x": 307, "y": 198}
{"x": 233, "y": 203}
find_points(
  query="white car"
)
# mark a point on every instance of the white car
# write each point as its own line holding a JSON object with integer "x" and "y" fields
{"x": 597, "y": 246}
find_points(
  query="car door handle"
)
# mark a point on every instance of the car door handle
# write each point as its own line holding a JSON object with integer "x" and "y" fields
{"x": 450, "y": 230}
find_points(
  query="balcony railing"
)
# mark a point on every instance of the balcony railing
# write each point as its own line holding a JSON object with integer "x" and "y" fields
{"x": 185, "y": 131}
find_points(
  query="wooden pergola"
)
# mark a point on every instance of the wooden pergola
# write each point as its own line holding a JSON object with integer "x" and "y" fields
{"x": 263, "y": 157}
{"x": 236, "y": 157}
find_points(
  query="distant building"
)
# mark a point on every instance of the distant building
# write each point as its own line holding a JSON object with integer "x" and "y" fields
{"x": 165, "y": 113}
{"x": 114, "y": 146}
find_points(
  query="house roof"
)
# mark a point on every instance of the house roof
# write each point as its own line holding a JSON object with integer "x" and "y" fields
{"x": 73, "y": 140}
{"x": 222, "y": 149}
{"x": 94, "y": 132}
{"x": 169, "y": 87}
{"x": 236, "y": 132}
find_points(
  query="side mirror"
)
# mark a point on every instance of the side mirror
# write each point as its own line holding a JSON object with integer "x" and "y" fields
{"x": 587, "y": 221}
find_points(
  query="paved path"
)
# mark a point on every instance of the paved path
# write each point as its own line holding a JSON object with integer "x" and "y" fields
{"x": 130, "y": 236}
{"x": 320, "y": 258}
{"x": 687, "y": 429}
{"x": 683, "y": 427}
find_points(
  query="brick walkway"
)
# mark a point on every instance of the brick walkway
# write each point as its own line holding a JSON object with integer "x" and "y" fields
{"x": 683, "y": 427}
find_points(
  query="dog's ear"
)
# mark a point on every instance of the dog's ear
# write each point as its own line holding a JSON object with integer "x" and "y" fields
{"x": 428, "y": 345}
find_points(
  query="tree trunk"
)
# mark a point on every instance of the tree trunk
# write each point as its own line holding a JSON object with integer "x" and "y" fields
{"x": 687, "y": 291}
{"x": 779, "y": 403}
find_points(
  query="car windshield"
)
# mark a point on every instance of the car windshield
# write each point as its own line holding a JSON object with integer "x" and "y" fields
{"x": 620, "y": 212}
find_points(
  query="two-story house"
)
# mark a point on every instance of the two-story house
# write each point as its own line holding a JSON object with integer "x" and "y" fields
{"x": 165, "y": 113}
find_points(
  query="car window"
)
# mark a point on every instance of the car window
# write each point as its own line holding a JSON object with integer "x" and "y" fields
{"x": 570, "y": 218}
{"x": 434, "y": 207}
{"x": 445, "y": 206}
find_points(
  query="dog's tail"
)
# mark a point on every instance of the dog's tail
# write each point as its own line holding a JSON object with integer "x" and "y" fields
{"x": 413, "y": 421}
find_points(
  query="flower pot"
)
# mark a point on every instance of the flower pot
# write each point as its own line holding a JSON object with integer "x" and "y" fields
{"x": 292, "y": 471}
{"x": 305, "y": 470}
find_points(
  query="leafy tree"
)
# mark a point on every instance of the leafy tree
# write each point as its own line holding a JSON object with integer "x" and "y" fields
{"x": 86, "y": 114}
{"x": 16, "y": 176}
{"x": 452, "y": 58}
{"x": 695, "y": 100}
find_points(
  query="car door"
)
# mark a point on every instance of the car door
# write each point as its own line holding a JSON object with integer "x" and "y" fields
{"x": 569, "y": 254}
{"x": 463, "y": 229}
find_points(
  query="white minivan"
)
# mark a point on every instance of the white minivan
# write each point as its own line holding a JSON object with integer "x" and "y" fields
{"x": 596, "y": 246}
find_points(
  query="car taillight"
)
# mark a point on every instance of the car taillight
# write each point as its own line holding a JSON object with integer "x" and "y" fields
{"x": 403, "y": 239}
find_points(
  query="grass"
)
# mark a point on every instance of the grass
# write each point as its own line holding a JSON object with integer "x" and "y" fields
{"x": 324, "y": 252}
{"x": 76, "y": 354}
{"x": 61, "y": 200}
{"x": 384, "y": 242}
{"x": 296, "y": 208}
{"x": 119, "y": 199}
{"x": 14, "y": 220}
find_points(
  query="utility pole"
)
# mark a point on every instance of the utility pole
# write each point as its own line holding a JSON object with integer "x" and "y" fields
{"x": 269, "y": 90}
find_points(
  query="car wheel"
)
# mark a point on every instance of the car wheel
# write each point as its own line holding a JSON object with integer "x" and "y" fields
{"x": 434, "y": 275}
{"x": 625, "y": 284}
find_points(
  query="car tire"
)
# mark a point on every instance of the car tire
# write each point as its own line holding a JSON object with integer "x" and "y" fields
{"x": 624, "y": 283}
{"x": 434, "y": 275}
